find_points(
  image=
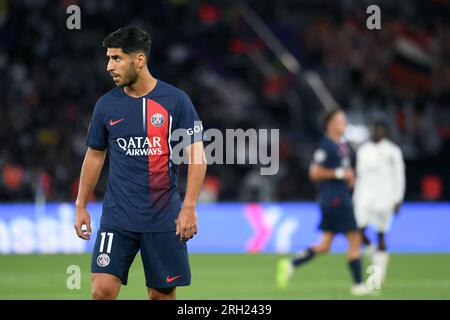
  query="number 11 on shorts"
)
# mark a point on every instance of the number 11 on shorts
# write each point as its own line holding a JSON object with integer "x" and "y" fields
{"x": 102, "y": 242}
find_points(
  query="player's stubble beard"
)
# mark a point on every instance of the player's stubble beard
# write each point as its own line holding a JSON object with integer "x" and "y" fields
{"x": 130, "y": 77}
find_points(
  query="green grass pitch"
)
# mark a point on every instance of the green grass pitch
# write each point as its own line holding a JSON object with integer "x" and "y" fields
{"x": 219, "y": 276}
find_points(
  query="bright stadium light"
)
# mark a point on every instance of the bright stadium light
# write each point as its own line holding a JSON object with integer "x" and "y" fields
{"x": 357, "y": 134}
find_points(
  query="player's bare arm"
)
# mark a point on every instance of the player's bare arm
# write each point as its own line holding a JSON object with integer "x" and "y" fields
{"x": 90, "y": 172}
{"x": 187, "y": 225}
{"x": 318, "y": 173}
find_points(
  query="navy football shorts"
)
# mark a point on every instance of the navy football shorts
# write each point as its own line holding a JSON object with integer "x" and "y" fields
{"x": 339, "y": 219}
{"x": 164, "y": 256}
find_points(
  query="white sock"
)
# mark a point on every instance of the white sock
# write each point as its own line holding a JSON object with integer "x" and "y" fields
{"x": 381, "y": 260}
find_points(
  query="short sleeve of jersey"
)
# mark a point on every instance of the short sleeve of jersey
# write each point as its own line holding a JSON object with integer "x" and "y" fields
{"x": 322, "y": 155}
{"x": 97, "y": 137}
{"x": 188, "y": 119}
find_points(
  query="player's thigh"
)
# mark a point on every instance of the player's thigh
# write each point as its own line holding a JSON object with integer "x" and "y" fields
{"x": 339, "y": 219}
{"x": 162, "y": 293}
{"x": 114, "y": 252}
{"x": 362, "y": 216}
{"x": 382, "y": 221}
{"x": 165, "y": 259}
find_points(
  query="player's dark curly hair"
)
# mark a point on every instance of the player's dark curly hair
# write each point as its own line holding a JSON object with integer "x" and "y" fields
{"x": 381, "y": 123}
{"x": 327, "y": 115}
{"x": 130, "y": 39}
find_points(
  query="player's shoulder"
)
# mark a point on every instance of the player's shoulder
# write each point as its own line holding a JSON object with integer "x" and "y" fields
{"x": 325, "y": 142}
{"x": 365, "y": 146}
{"x": 391, "y": 145}
{"x": 111, "y": 95}
{"x": 169, "y": 89}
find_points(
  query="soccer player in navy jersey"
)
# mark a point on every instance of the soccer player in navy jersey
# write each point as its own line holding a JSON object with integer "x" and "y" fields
{"x": 332, "y": 169}
{"x": 142, "y": 209}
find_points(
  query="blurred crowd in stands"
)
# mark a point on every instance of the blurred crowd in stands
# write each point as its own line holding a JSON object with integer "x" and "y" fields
{"x": 52, "y": 77}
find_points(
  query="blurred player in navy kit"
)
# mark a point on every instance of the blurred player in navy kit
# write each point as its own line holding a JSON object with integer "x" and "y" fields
{"x": 379, "y": 190}
{"x": 332, "y": 170}
{"x": 142, "y": 209}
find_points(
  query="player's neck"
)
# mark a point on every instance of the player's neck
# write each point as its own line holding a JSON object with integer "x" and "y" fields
{"x": 143, "y": 86}
{"x": 377, "y": 140}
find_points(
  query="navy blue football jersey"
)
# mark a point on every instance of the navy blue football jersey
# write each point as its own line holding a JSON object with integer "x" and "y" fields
{"x": 142, "y": 193}
{"x": 332, "y": 155}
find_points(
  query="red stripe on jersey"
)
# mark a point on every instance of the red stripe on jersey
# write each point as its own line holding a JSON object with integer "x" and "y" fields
{"x": 158, "y": 158}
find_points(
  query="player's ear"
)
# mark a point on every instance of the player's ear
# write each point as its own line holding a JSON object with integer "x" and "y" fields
{"x": 141, "y": 60}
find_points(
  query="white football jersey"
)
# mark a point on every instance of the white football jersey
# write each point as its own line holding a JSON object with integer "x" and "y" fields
{"x": 380, "y": 175}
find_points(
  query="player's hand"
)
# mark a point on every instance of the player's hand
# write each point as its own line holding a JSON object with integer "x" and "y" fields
{"x": 82, "y": 218}
{"x": 187, "y": 223}
{"x": 349, "y": 176}
{"x": 397, "y": 207}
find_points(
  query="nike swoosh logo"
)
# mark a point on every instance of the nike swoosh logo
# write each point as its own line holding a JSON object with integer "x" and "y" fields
{"x": 111, "y": 122}
{"x": 172, "y": 279}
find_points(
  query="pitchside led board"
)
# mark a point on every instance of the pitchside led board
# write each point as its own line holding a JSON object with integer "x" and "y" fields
{"x": 223, "y": 228}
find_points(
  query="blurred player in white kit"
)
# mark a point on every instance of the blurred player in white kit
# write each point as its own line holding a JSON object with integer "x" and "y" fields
{"x": 379, "y": 190}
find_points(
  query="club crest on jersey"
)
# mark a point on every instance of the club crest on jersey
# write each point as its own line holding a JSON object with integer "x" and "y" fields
{"x": 157, "y": 119}
{"x": 103, "y": 260}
